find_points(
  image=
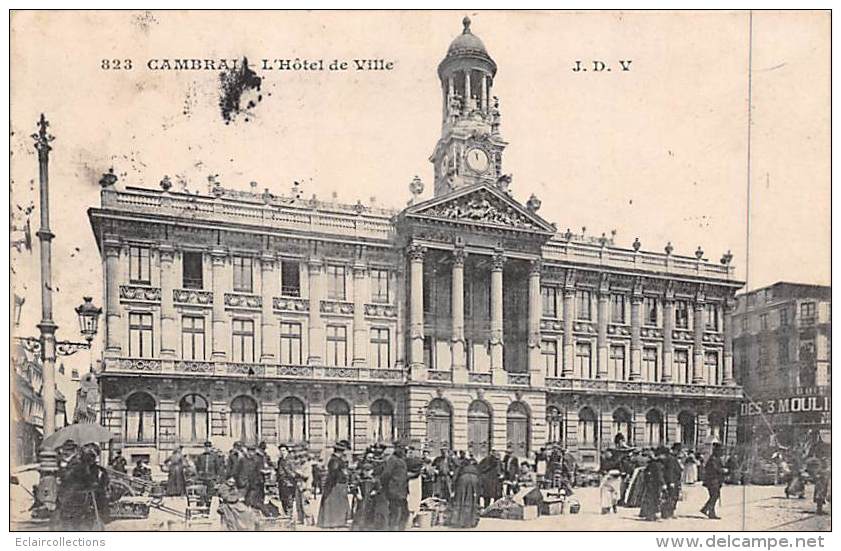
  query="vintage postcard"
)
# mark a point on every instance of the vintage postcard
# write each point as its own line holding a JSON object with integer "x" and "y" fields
{"x": 420, "y": 270}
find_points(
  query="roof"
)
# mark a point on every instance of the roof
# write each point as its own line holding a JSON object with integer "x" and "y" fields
{"x": 466, "y": 42}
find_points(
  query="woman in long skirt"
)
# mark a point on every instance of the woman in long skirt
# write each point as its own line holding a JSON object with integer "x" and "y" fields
{"x": 334, "y": 509}
{"x": 690, "y": 469}
{"x": 464, "y": 512}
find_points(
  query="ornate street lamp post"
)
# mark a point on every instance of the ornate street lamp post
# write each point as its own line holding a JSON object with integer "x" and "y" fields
{"x": 88, "y": 322}
{"x": 47, "y": 327}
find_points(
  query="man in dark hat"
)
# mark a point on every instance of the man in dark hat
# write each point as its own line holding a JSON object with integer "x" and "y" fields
{"x": 713, "y": 479}
{"x": 444, "y": 470}
{"x": 252, "y": 478}
{"x": 394, "y": 481}
{"x": 207, "y": 471}
{"x": 672, "y": 473}
{"x": 287, "y": 479}
{"x": 234, "y": 463}
{"x": 118, "y": 462}
{"x": 510, "y": 469}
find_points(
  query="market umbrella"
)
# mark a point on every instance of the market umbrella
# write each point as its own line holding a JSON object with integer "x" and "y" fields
{"x": 80, "y": 433}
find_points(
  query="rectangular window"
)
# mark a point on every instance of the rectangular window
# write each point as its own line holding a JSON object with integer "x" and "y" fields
{"x": 711, "y": 363}
{"x": 290, "y": 278}
{"x": 649, "y": 305}
{"x": 649, "y": 363}
{"x": 584, "y": 359}
{"x": 243, "y": 340}
{"x": 711, "y": 317}
{"x": 782, "y": 352}
{"x": 617, "y": 308}
{"x": 762, "y": 356}
{"x": 290, "y": 343}
{"x": 140, "y": 335}
{"x": 682, "y": 366}
{"x": 807, "y": 312}
{"x": 549, "y": 351}
{"x": 745, "y": 324}
{"x": 336, "y": 282}
{"x": 783, "y": 317}
{"x": 681, "y": 314}
{"x": 243, "y": 282}
{"x": 192, "y": 276}
{"x": 139, "y": 265}
{"x": 428, "y": 356}
{"x": 336, "y": 346}
{"x": 583, "y": 306}
{"x": 380, "y": 348}
{"x": 617, "y": 362}
{"x": 550, "y": 302}
{"x": 380, "y": 287}
{"x": 763, "y": 322}
{"x": 192, "y": 338}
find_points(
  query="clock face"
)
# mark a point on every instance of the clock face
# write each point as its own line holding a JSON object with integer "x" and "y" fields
{"x": 477, "y": 160}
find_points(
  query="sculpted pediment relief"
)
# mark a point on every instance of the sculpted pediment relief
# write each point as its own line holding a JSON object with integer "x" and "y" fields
{"x": 481, "y": 206}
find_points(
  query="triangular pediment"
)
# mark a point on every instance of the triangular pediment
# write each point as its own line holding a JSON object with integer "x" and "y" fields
{"x": 480, "y": 205}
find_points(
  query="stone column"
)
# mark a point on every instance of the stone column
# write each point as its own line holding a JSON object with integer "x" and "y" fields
{"x": 221, "y": 336}
{"x": 169, "y": 332}
{"x": 636, "y": 337}
{"x": 457, "y": 345}
{"x": 316, "y": 324}
{"x": 727, "y": 328}
{"x": 416, "y": 253}
{"x": 398, "y": 280}
{"x": 113, "y": 325}
{"x": 537, "y": 374}
{"x": 360, "y": 332}
{"x": 601, "y": 338}
{"x": 698, "y": 344}
{"x": 496, "y": 311}
{"x": 484, "y": 93}
{"x": 569, "y": 344}
{"x": 466, "y": 102}
{"x": 269, "y": 288}
{"x": 668, "y": 347}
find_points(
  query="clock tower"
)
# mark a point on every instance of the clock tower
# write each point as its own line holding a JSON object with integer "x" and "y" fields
{"x": 470, "y": 148}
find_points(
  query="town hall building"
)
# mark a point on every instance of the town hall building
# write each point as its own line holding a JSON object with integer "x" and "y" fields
{"x": 464, "y": 321}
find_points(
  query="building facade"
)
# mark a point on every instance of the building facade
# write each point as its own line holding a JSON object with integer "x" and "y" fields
{"x": 464, "y": 321}
{"x": 782, "y": 350}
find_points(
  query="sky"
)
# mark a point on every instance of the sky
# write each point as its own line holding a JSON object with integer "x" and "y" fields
{"x": 658, "y": 152}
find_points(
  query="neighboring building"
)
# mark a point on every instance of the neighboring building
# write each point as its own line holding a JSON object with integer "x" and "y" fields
{"x": 782, "y": 350}
{"x": 464, "y": 321}
{"x": 27, "y": 411}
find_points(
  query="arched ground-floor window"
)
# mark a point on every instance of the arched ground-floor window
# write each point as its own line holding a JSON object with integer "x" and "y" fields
{"x": 338, "y": 425}
{"x": 479, "y": 429}
{"x": 439, "y": 425}
{"x": 244, "y": 420}
{"x": 291, "y": 421}
{"x": 381, "y": 421}
{"x": 141, "y": 419}
{"x": 654, "y": 428}
{"x": 518, "y": 429}
{"x": 554, "y": 425}
{"x": 622, "y": 424}
{"x": 687, "y": 429}
{"x": 587, "y": 428}
{"x": 193, "y": 418}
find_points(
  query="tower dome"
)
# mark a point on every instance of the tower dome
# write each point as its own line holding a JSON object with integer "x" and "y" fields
{"x": 467, "y": 49}
{"x": 466, "y": 42}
